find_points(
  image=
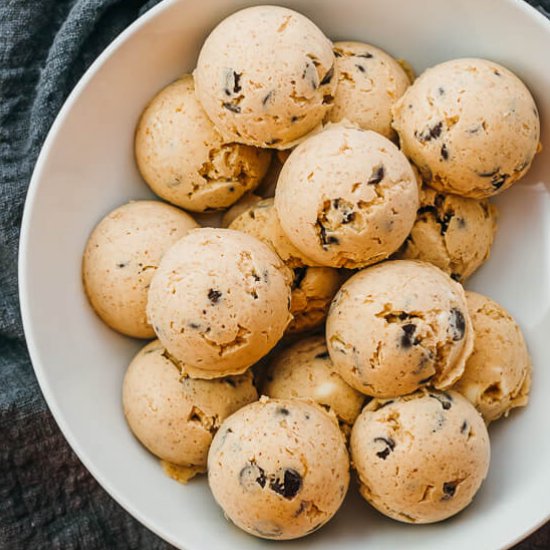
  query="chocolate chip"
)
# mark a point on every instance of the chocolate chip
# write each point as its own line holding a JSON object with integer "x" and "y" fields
{"x": 289, "y": 486}
{"x": 377, "y": 175}
{"x": 497, "y": 72}
{"x": 390, "y": 446}
{"x": 457, "y": 324}
{"x": 366, "y": 55}
{"x": 464, "y": 427}
{"x": 328, "y": 76}
{"x": 267, "y": 98}
{"x": 231, "y": 107}
{"x": 251, "y": 474}
{"x": 348, "y": 217}
{"x": 299, "y": 274}
{"x": 444, "y": 221}
{"x": 361, "y": 68}
{"x": 336, "y": 203}
{"x": 441, "y": 91}
{"x": 194, "y": 325}
{"x": 444, "y": 398}
{"x": 214, "y": 295}
{"x": 283, "y": 411}
{"x": 449, "y": 488}
{"x": 323, "y": 355}
{"x": 236, "y": 82}
{"x": 499, "y": 181}
{"x": 444, "y": 152}
{"x": 407, "y": 336}
{"x": 121, "y": 265}
{"x": 430, "y": 133}
{"x": 294, "y": 119}
{"x": 337, "y": 53}
{"x": 456, "y": 276}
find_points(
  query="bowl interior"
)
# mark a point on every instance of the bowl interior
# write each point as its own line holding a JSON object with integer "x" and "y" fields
{"x": 87, "y": 168}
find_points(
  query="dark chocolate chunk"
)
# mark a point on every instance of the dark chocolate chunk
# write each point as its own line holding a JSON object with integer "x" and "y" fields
{"x": 457, "y": 324}
{"x": 299, "y": 274}
{"x": 430, "y": 133}
{"x": 236, "y": 82}
{"x": 444, "y": 398}
{"x": 449, "y": 488}
{"x": 498, "y": 182}
{"x": 194, "y": 325}
{"x": 377, "y": 175}
{"x": 231, "y": 189}
{"x": 407, "y": 336}
{"x": 294, "y": 118}
{"x": 231, "y": 107}
{"x": 444, "y": 152}
{"x": 337, "y": 53}
{"x": 214, "y": 295}
{"x": 366, "y": 55}
{"x": 348, "y": 217}
{"x": 441, "y": 91}
{"x": 361, "y": 68}
{"x": 283, "y": 411}
{"x": 328, "y": 76}
{"x": 256, "y": 277}
{"x": 390, "y": 446}
{"x": 267, "y": 98}
{"x": 497, "y": 72}
{"x": 464, "y": 427}
{"x": 323, "y": 355}
{"x": 336, "y": 203}
{"x": 252, "y": 473}
{"x": 289, "y": 486}
{"x": 121, "y": 265}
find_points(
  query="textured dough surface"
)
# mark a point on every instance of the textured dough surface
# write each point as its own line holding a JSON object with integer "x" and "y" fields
{"x": 121, "y": 256}
{"x": 279, "y": 468}
{"x": 313, "y": 288}
{"x": 176, "y": 417}
{"x": 453, "y": 233}
{"x": 497, "y": 376}
{"x": 305, "y": 371}
{"x": 470, "y": 125}
{"x": 265, "y": 76}
{"x": 420, "y": 458}
{"x": 185, "y": 160}
{"x": 369, "y": 82}
{"x": 219, "y": 301}
{"x": 347, "y": 197}
{"x": 397, "y": 326}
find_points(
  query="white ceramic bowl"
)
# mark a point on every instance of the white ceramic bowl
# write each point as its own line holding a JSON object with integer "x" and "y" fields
{"x": 86, "y": 168}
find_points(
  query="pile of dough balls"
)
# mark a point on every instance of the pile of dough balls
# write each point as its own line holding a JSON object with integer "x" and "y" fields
{"x": 325, "y": 323}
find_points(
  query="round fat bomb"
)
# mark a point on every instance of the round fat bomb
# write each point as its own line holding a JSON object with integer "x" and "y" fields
{"x": 265, "y": 76}
{"x": 175, "y": 417}
{"x": 454, "y": 233}
{"x": 121, "y": 256}
{"x": 305, "y": 371}
{"x": 347, "y": 197}
{"x": 369, "y": 83}
{"x": 185, "y": 160}
{"x": 219, "y": 301}
{"x": 420, "y": 458}
{"x": 241, "y": 206}
{"x": 497, "y": 376}
{"x": 313, "y": 288}
{"x": 397, "y": 326}
{"x": 279, "y": 468}
{"x": 470, "y": 125}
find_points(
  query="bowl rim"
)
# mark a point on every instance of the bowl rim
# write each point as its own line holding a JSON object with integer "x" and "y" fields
{"x": 24, "y": 275}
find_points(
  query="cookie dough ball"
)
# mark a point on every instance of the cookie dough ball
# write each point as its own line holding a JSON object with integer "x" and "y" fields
{"x": 347, "y": 197}
{"x": 420, "y": 458}
{"x": 241, "y": 206}
{"x": 185, "y": 160}
{"x": 470, "y": 125}
{"x": 397, "y": 326}
{"x": 121, "y": 256}
{"x": 265, "y": 76}
{"x": 176, "y": 417}
{"x": 270, "y": 466}
{"x": 305, "y": 371}
{"x": 313, "y": 288}
{"x": 219, "y": 301}
{"x": 497, "y": 377}
{"x": 454, "y": 233}
{"x": 369, "y": 82}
